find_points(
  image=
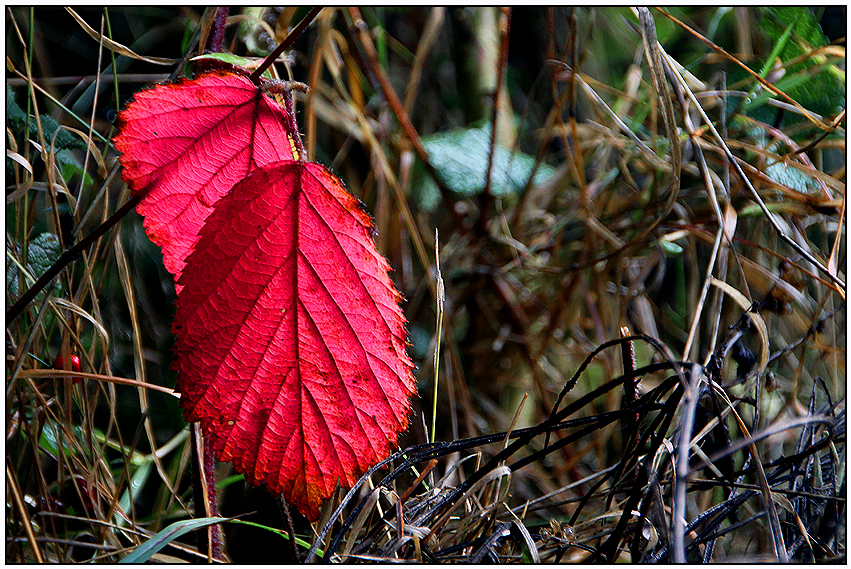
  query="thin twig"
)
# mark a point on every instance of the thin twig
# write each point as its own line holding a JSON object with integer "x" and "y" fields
{"x": 485, "y": 198}
{"x": 255, "y": 75}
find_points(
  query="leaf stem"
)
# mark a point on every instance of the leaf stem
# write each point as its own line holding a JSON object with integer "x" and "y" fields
{"x": 292, "y": 125}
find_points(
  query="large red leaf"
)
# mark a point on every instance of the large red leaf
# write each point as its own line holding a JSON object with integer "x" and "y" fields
{"x": 290, "y": 340}
{"x": 185, "y": 144}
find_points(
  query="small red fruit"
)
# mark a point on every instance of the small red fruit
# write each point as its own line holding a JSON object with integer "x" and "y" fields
{"x": 74, "y": 366}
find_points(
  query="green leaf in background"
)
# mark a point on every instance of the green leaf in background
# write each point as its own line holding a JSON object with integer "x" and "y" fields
{"x": 461, "y": 160}
{"x": 63, "y": 143}
{"x": 16, "y": 118}
{"x": 55, "y": 444}
{"x": 670, "y": 248}
{"x": 43, "y": 251}
{"x": 15, "y": 115}
{"x": 824, "y": 92}
{"x": 791, "y": 177}
{"x": 232, "y": 59}
{"x": 146, "y": 550}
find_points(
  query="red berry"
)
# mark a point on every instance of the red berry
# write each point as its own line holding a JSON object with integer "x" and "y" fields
{"x": 75, "y": 366}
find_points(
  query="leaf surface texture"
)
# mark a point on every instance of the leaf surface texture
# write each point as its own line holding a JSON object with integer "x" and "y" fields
{"x": 291, "y": 346}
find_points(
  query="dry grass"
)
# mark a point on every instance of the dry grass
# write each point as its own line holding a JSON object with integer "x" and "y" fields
{"x": 708, "y": 262}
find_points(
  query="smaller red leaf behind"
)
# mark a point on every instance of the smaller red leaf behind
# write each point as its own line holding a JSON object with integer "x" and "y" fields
{"x": 185, "y": 144}
{"x": 291, "y": 345}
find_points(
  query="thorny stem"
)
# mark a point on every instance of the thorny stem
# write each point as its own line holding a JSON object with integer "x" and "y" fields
{"x": 204, "y": 493}
{"x": 212, "y": 500}
{"x": 285, "y": 511}
{"x": 215, "y": 45}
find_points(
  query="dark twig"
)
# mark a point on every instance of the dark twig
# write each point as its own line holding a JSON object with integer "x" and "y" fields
{"x": 255, "y": 76}
{"x": 285, "y": 511}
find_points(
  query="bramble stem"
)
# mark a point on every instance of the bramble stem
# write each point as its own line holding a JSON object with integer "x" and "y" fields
{"x": 215, "y": 45}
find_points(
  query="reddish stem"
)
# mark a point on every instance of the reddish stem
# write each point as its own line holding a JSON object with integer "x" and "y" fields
{"x": 486, "y": 197}
{"x": 217, "y": 39}
{"x": 212, "y": 500}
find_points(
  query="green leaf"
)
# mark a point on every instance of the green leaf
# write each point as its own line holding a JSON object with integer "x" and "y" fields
{"x": 298, "y": 541}
{"x": 824, "y": 93}
{"x": 43, "y": 251}
{"x": 461, "y": 160}
{"x": 64, "y": 139}
{"x": 137, "y": 482}
{"x": 670, "y": 248}
{"x": 787, "y": 84}
{"x": 145, "y": 551}
{"x": 50, "y": 439}
{"x": 71, "y": 167}
{"x": 17, "y": 119}
{"x": 791, "y": 177}
{"x": 15, "y": 115}
{"x": 804, "y": 24}
{"x": 775, "y": 52}
{"x": 232, "y": 59}
{"x": 222, "y": 484}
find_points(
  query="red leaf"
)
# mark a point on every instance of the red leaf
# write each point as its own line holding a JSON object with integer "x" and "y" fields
{"x": 290, "y": 340}
{"x": 185, "y": 144}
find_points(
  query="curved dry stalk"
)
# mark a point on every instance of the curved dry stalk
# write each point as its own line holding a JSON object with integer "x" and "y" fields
{"x": 764, "y": 82}
{"x": 654, "y": 52}
{"x": 734, "y": 161}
